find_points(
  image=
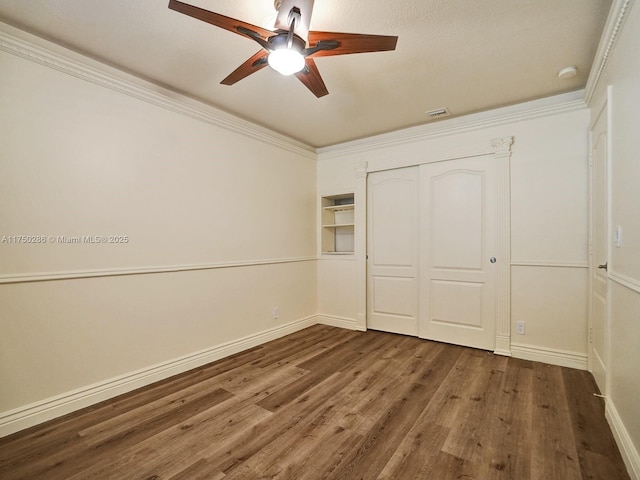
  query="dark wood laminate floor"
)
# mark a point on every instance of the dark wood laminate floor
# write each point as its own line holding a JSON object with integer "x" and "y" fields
{"x": 327, "y": 403}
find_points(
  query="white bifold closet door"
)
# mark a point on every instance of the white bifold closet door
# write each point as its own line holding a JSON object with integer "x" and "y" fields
{"x": 432, "y": 235}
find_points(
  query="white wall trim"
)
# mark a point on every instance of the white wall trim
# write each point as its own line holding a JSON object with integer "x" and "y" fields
{"x": 550, "y": 264}
{"x": 629, "y": 453}
{"x": 631, "y": 283}
{"x": 341, "y": 322}
{"x": 433, "y": 155}
{"x": 350, "y": 257}
{"x": 563, "y": 358}
{"x": 360, "y": 241}
{"x": 27, "y": 416}
{"x": 613, "y": 27}
{"x": 117, "y": 272}
{"x": 502, "y": 157}
{"x": 503, "y": 345}
{"x": 555, "y": 105}
{"x": 35, "y": 49}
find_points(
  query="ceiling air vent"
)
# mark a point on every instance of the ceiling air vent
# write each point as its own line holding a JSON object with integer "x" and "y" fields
{"x": 439, "y": 112}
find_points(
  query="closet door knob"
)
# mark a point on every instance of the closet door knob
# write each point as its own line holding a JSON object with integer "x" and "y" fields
{"x": 493, "y": 260}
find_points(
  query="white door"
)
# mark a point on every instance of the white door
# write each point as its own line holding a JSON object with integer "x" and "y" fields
{"x": 392, "y": 237}
{"x": 599, "y": 244}
{"x": 458, "y": 250}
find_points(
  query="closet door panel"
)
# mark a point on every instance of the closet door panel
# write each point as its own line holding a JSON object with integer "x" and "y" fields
{"x": 458, "y": 233}
{"x": 392, "y": 277}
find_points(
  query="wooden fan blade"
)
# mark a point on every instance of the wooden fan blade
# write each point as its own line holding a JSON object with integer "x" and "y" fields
{"x": 218, "y": 20}
{"x": 255, "y": 63}
{"x": 311, "y": 78}
{"x": 352, "y": 43}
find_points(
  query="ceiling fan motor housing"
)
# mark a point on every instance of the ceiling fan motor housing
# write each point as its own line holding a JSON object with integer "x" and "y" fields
{"x": 281, "y": 40}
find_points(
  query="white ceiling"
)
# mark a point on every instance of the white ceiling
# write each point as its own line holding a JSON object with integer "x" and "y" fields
{"x": 467, "y": 55}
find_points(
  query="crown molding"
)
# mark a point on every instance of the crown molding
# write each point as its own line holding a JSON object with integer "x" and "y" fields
{"x": 557, "y": 104}
{"x": 617, "y": 15}
{"x": 51, "y": 55}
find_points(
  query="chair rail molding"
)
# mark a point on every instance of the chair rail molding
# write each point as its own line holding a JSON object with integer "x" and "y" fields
{"x": 628, "y": 282}
{"x": 146, "y": 270}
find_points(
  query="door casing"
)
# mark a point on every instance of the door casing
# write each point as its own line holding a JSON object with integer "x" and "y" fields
{"x": 599, "y": 350}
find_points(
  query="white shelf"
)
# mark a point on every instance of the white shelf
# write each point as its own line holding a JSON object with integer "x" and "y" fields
{"x": 338, "y": 224}
{"x": 339, "y": 208}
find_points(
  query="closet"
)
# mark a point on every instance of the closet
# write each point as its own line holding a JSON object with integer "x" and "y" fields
{"x": 432, "y": 250}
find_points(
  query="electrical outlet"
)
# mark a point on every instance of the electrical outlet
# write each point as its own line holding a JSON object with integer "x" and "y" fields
{"x": 520, "y": 327}
{"x": 276, "y": 313}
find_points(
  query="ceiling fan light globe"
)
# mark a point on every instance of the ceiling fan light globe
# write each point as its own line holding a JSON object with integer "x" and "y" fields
{"x": 286, "y": 61}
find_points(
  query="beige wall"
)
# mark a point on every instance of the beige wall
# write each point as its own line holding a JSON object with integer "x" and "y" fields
{"x": 622, "y": 73}
{"x": 549, "y": 211}
{"x": 77, "y": 158}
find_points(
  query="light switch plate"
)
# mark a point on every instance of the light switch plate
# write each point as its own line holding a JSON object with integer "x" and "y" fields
{"x": 617, "y": 236}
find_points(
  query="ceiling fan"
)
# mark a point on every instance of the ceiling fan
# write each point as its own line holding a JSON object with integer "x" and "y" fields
{"x": 291, "y": 48}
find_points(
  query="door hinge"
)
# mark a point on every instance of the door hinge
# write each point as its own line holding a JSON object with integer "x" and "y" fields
{"x": 590, "y": 335}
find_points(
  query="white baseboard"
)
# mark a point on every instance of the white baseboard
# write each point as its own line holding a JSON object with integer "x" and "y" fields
{"x": 341, "y": 322}
{"x": 503, "y": 345}
{"x": 563, "y": 358}
{"x": 629, "y": 453}
{"x": 29, "y": 415}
